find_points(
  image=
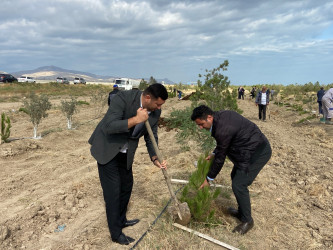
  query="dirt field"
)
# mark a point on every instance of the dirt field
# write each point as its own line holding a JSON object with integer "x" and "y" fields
{"x": 51, "y": 196}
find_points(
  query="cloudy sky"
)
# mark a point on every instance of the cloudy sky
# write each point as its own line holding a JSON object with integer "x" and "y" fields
{"x": 273, "y": 41}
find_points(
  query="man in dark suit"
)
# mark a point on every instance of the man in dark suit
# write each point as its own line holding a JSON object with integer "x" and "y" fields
{"x": 113, "y": 145}
{"x": 246, "y": 147}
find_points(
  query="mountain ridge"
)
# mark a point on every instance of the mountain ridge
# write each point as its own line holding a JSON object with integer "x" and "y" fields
{"x": 51, "y": 72}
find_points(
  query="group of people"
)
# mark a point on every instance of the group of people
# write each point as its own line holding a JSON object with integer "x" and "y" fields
{"x": 116, "y": 137}
{"x": 325, "y": 102}
{"x": 115, "y": 140}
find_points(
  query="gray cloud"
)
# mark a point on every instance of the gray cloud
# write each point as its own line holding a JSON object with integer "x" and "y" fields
{"x": 173, "y": 39}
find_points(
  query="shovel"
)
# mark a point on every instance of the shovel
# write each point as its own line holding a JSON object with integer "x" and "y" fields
{"x": 183, "y": 211}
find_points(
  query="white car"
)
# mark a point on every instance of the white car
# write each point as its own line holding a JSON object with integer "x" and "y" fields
{"x": 26, "y": 79}
{"x": 78, "y": 80}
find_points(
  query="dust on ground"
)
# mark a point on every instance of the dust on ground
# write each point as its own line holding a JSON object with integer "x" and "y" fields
{"x": 51, "y": 196}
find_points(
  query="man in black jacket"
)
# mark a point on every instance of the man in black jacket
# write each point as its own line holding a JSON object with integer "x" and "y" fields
{"x": 113, "y": 145}
{"x": 245, "y": 145}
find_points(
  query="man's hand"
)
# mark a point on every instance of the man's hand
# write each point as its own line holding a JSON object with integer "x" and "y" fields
{"x": 210, "y": 157}
{"x": 204, "y": 184}
{"x": 162, "y": 165}
{"x": 141, "y": 115}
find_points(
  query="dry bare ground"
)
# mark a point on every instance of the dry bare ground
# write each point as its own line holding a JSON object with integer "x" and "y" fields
{"x": 51, "y": 196}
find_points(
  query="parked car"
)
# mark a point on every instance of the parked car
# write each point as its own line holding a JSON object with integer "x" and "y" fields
{"x": 62, "y": 80}
{"x": 26, "y": 79}
{"x": 78, "y": 80}
{"x": 7, "y": 78}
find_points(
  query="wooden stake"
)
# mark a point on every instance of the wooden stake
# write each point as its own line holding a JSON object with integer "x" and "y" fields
{"x": 185, "y": 182}
{"x": 220, "y": 243}
{"x": 176, "y": 181}
{"x": 164, "y": 171}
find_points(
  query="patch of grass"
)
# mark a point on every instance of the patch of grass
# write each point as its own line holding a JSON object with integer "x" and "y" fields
{"x": 306, "y": 119}
{"x": 226, "y": 193}
{"x": 83, "y": 103}
{"x": 185, "y": 148}
{"x": 24, "y": 110}
{"x": 49, "y": 131}
{"x": 303, "y": 112}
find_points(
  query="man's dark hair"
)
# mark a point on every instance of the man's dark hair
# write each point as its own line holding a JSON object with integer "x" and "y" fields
{"x": 201, "y": 112}
{"x": 156, "y": 90}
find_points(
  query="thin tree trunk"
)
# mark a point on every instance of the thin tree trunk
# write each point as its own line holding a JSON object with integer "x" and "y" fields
{"x": 69, "y": 123}
{"x": 35, "y": 131}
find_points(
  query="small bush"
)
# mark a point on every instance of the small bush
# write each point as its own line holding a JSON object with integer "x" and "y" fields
{"x": 5, "y": 128}
{"x": 181, "y": 119}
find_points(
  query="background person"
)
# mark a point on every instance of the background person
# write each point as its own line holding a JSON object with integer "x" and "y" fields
{"x": 327, "y": 102}
{"x": 179, "y": 94}
{"x": 320, "y": 95}
{"x": 245, "y": 145}
{"x": 253, "y": 92}
{"x": 241, "y": 91}
{"x": 113, "y": 93}
{"x": 113, "y": 145}
{"x": 262, "y": 100}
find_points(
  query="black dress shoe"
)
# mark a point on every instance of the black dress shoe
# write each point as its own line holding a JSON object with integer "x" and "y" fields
{"x": 124, "y": 240}
{"x": 244, "y": 227}
{"x": 234, "y": 213}
{"x": 129, "y": 223}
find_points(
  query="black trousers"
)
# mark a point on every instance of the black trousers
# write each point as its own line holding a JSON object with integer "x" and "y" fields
{"x": 262, "y": 112}
{"x": 117, "y": 183}
{"x": 242, "y": 179}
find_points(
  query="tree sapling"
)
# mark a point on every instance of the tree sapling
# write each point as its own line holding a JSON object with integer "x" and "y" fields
{"x": 36, "y": 107}
{"x": 69, "y": 108}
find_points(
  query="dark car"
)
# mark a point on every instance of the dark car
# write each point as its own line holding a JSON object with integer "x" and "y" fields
{"x": 7, "y": 78}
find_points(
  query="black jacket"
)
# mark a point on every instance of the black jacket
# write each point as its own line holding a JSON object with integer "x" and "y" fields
{"x": 112, "y": 94}
{"x": 320, "y": 95}
{"x": 236, "y": 137}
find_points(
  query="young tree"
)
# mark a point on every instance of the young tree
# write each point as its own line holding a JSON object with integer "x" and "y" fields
{"x": 152, "y": 80}
{"x": 215, "y": 90}
{"x": 143, "y": 84}
{"x": 99, "y": 100}
{"x": 200, "y": 200}
{"x": 36, "y": 107}
{"x": 69, "y": 108}
{"x": 5, "y": 128}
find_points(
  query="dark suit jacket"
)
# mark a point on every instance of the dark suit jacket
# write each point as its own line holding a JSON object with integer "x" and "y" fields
{"x": 112, "y": 132}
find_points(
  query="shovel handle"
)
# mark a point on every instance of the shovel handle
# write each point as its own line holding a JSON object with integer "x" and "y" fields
{"x": 160, "y": 159}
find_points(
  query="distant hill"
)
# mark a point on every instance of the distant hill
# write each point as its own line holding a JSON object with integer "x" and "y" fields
{"x": 52, "y": 72}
